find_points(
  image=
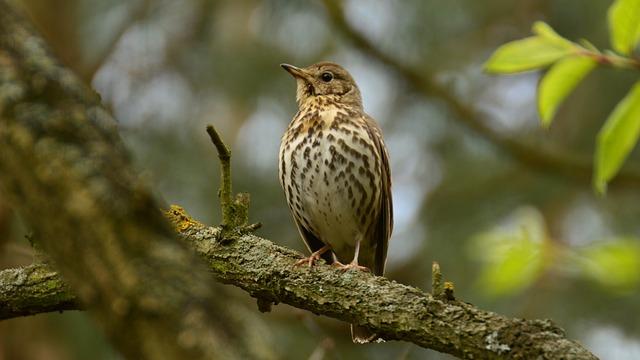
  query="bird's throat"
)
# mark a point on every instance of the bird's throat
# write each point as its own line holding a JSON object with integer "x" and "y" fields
{"x": 305, "y": 90}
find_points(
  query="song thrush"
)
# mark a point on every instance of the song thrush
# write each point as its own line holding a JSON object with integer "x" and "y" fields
{"x": 334, "y": 170}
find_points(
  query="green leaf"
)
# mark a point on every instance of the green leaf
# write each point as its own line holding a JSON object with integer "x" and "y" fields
{"x": 559, "y": 82}
{"x": 624, "y": 25}
{"x": 545, "y": 31}
{"x": 617, "y": 138}
{"x": 527, "y": 54}
{"x": 614, "y": 264}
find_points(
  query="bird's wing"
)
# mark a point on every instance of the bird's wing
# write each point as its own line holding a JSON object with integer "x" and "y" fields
{"x": 384, "y": 224}
{"x": 313, "y": 243}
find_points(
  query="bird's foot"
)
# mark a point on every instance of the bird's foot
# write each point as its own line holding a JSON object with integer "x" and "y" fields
{"x": 349, "y": 266}
{"x": 311, "y": 260}
{"x": 315, "y": 256}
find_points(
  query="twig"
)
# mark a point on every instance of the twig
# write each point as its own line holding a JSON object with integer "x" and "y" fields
{"x": 251, "y": 227}
{"x": 225, "y": 177}
{"x": 437, "y": 287}
{"x": 440, "y": 290}
{"x": 235, "y": 213}
{"x": 571, "y": 167}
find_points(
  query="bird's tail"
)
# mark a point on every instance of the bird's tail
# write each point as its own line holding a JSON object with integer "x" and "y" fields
{"x": 361, "y": 335}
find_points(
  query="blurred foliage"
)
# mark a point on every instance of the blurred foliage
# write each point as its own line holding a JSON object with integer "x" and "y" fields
{"x": 559, "y": 82}
{"x": 617, "y": 138}
{"x": 513, "y": 258}
{"x": 517, "y": 253}
{"x": 518, "y": 241}
{"x": 614, "y": 264}
{"x": 624, "y": 25}
{"x": 569, "y": 64}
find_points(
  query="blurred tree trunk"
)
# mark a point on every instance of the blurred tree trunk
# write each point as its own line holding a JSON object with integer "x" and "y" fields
{"x": 66, "y": 171}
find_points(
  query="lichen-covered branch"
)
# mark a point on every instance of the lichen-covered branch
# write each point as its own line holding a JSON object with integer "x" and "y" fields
{"x": 32, "y": 290}
{"x": 532, "y": 156}
{"x": 398, "y": 312}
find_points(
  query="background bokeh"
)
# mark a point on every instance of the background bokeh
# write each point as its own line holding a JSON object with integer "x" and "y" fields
{"x": 525, "y": 241}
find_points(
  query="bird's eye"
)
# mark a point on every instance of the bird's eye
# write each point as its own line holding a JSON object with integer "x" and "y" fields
{"x": 326, "y": 76}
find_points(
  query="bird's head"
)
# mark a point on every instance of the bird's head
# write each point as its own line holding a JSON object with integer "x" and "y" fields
{"x": 325, "y": 79}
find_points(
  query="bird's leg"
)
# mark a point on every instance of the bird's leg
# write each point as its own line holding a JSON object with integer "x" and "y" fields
{"x": 353, "y": 264}
{"x": 313, "y": 257}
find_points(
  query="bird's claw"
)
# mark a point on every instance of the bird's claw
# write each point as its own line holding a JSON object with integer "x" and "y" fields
{"x": 311, "y": 260}
{"x": 352, "y": 265}
{"x": 315, "y": 256}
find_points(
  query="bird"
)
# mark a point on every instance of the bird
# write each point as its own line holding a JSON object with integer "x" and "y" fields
{"x": 334, "y": 170}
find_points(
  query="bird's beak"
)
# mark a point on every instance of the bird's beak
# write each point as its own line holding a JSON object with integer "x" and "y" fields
{"x": 297, "y": 72}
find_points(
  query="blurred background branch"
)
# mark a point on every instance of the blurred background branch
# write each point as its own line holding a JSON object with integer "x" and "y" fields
{"x": 425, "y": 82}
{"x": 135, "y": 15}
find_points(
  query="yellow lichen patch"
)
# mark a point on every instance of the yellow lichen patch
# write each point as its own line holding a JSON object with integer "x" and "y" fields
{"x": 448, "y": 290}
{"x": 448, "y": 285}
{"x": 180, "y": 219}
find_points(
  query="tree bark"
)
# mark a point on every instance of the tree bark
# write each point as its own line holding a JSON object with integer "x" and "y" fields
{"x": 33, "y": 290}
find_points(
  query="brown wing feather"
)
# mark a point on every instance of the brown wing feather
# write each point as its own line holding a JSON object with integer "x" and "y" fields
{"x": 313, "y": 243}
{"x": 384, "y": 224}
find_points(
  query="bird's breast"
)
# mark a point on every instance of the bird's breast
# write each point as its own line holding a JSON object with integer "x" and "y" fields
{"x": 331, "y": 174}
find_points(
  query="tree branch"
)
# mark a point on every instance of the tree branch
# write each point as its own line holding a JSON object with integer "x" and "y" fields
{"x": 33, "y": 290}
{"x": 572, "y": 167}
{"x": 398, "y": 312}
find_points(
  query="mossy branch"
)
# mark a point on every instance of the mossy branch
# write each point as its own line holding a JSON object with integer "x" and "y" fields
{"x": 33, "y": 289}
{"x": 398, "y": 312}
{"x": 235, "y": 213}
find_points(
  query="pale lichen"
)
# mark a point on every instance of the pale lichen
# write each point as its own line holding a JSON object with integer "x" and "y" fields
{"x": 494, "y": 345}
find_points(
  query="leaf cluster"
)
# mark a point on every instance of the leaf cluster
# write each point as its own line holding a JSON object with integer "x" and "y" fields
{"x": 568, "y": 63}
